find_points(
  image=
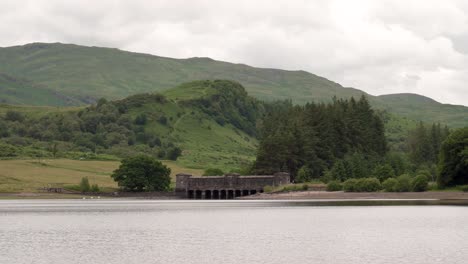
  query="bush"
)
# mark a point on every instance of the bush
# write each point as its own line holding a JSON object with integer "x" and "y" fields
{"x": 213, "y": 172}
{"x": 84, "y": 185}
{"x": 7, "y": 150}
{"x": 95, "y": 188}
{"x": 362, "y": 185}
{"x": 304, "y": 174}
{"x": 334, "y": 186}
{"x": 162, "y": 120}
{"x": 173, "y": 153}
{"x": 403, "y": 183}
{"x": 419, "y": 183}
{"x": 368, "y": 185}
{"x": 389, "y": 185}
{"x": 14, "y": 116}
{"x": 140, "y": 119}
{"x": 383, "y": 172}
{"x": 464, "y": 188}
{"x": 350, "y": 185}
{"x": 432, "y": 186}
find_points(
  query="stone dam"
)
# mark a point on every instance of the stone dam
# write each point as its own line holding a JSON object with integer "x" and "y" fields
{"x": 228, "y": 186}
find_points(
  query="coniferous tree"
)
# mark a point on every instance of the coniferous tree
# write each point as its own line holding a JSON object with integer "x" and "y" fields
{"x": 318, "y": 135}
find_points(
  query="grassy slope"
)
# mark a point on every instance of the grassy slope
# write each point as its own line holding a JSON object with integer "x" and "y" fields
{"x": 421, "y": 108}
{"x": 29, "y": 175}
{"x": 23, "y": 92}
{"x": 36, "y": 110}
{"x": 204, "y": 142}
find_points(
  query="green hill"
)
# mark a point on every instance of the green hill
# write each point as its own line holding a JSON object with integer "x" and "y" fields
{"x": 422, "y": 108}
{"x": 215, "y": 126}
{"x": 81, "y": 75}
{"x": 20, "y": 91}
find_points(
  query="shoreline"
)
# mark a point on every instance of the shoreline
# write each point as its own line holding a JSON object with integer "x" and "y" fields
{"x": 340, "y": 195}
{"x": 297, "y": 195}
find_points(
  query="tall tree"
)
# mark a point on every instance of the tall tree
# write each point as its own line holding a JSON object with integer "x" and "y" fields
{"x": 453, "y": 159}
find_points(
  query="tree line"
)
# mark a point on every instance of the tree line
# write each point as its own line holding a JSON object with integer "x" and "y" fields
{"x": 345, "y": 139}
{"x": 106, "y": 127}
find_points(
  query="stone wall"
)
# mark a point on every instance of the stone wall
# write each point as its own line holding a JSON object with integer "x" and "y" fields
{"x": 226, "y": 186}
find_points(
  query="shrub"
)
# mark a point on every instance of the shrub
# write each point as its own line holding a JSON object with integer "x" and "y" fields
{"x": 94, "y": 188}
{"x": 304, "y": 174}
{"x": 7, "y": 150}
{"x": 362, "y": 185}
{"x": 403, "y": 183}
{"x": 350, "y": 185}
{"x": 162, "y": 120}
{"x": 432, "y": 186}
{"x": 419, "y": 183}
{"x": 84, "y": 185}
{"x": 334, "y": 186}
{"x": 383, "y": 172}
{"x": 14, "y": 116}
{"x": 464, "y": 188}
{"x": 141, "y": 119}
{"x": 389, "y": 185}
{"x": 326, "y": 177}
{"x": 173, "y": 153}
{"x": 368, "y": 185}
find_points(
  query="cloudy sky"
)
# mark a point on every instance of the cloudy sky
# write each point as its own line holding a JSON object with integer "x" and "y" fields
{"x": 381, "y": 47}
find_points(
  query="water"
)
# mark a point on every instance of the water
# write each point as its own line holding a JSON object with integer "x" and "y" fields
{"x": 136, "y": 231}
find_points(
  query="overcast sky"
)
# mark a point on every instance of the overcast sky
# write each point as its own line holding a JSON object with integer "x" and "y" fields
{"x": 380, "y": 46}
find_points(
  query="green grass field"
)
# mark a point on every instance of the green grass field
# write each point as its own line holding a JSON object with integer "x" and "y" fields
{"x": 29, "y": 175}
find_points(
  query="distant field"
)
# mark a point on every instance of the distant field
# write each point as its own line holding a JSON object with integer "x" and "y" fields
{"x": 29, "y": 175}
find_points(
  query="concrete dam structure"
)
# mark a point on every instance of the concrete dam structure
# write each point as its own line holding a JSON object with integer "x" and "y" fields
{"x": 228, "y": 186}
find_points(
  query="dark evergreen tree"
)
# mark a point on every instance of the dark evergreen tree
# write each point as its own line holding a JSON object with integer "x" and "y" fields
{"x": 453, "y": 159}
{"x": 317, "y": 135}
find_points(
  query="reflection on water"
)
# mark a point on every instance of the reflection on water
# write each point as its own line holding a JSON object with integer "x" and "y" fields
{"x": 137, "y": 231}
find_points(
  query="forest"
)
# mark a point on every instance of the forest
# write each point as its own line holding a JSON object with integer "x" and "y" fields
{"x": 344, "y": 140}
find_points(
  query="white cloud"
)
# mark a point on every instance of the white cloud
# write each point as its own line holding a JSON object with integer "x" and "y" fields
{"x": 381, "y": 47}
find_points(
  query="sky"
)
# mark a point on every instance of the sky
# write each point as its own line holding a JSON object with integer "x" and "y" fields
{"x": 381, "y": 47}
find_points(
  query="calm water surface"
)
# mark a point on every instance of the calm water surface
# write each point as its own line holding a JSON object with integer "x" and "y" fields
{"x": 97, "y": 231}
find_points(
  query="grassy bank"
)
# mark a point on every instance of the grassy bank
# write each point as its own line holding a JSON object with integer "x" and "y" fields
{"x": 29, "y": 175}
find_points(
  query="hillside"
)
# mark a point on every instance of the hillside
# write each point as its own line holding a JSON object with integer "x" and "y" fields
{"x": 422, "y": 108}
{"x": 80, "y": 75}
{"x": 215, "y": 127}
{"x": 87, "y": 73}
{"x": 20, "y": 91}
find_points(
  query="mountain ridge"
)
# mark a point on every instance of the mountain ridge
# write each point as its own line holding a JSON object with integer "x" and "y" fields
{"x": 84, "y": 74}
